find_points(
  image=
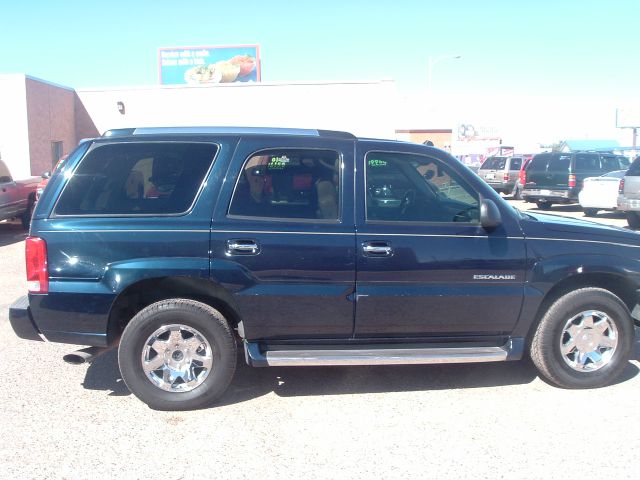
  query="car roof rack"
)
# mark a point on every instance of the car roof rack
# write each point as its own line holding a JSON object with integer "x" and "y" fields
{"x": 117, "y": 132}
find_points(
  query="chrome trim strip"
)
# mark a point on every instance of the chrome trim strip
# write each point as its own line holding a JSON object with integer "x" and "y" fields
{"x": 42, "y": 337}
{"x": 430, "y": 235}
{"x": 123, "y": 230}
{"x": 274, "y": 232}
{"x": 584, "y": 241}
{"x": 381, "y": 356}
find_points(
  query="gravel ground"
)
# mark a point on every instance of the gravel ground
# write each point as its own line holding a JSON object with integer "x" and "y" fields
{"x": 453, "y": 421}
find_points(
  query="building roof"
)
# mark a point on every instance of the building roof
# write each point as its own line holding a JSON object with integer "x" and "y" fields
{"x": 590, "y": 145}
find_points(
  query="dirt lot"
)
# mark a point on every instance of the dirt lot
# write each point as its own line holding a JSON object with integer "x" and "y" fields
{"x": 455, "y": 421}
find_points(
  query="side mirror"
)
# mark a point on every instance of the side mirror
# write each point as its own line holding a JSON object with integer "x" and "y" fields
{"x": 490, "y": 217}
{"x": 46, "y": 175}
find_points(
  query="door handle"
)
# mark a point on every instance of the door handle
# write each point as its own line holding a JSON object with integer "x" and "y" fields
{"x": 243, "y": 247}
{"x": 377, "y": 249}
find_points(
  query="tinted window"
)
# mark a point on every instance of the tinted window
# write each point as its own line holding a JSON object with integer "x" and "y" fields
{"x": 587, "y": 162}
{"x": 634, "y": 169}
{"x": 538, "y": 163}
{"x": 288, "y": 183}
{"x": 559, "y": 163}
{"x": 137, "y": 178}
{"x": 494, "y": 163}
{"x": 515, "y": 164}
{"x": 404, "y": 187}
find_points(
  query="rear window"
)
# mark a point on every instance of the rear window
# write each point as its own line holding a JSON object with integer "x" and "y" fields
{"x": 587, "y": 162}
{"x": 538, "y": 163}
{"x": 156, "y": 178}
{"x": 494, "y": 163}
{"x": 634, "y": 169}
{"x": 559, "y": 163}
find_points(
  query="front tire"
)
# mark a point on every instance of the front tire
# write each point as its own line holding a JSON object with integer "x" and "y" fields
{"x": 584, "y": 340}
{"x": 590, "y": 212}
{"x": 25, "y": 218}
{"x": 177, "y": 354}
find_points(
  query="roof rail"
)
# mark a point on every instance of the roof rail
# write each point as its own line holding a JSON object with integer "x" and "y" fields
{"x": 228, "y": 130}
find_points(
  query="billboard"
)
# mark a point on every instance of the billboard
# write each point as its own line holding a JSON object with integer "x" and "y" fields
{"x": 209, "y": 65}
{"x": 628, "y": 117}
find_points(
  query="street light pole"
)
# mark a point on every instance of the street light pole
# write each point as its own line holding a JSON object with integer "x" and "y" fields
{"x": 432, "y": 63}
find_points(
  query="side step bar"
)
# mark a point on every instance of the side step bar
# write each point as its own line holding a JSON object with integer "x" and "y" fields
{"x": 395, "y": 354}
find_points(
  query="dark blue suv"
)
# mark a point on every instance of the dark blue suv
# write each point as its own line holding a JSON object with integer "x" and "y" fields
{"x": 312, "y": 248}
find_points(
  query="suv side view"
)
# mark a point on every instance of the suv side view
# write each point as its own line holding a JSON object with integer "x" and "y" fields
{"x": 307, "y": 247}
{"x": 558, "y": 177}
{"x": 629, "y": 194}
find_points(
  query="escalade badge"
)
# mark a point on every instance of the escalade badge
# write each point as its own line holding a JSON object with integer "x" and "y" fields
{"x": 494, "y": 277}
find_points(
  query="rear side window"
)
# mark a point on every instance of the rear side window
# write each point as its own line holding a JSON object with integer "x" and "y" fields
{"x": 516, "y": 163}
{"x": 634, "y": 169}
{"x": 5, "y": 176}
{"x": 156, "y": 178}
{"x": 289, "y": 184}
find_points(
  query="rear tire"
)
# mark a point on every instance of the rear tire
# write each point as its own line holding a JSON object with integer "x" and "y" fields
{"x": 633, "y": 219}
{"x": 25, "y": 219}
{"x": 177, "y": 354}
{"x": 543, "y": 205}
{"x": 584, "y": 340}
{"x": 590, "y": 212}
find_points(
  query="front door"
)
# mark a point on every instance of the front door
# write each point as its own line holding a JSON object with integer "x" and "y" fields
{"x": 426, "y": 268}
{"x": 283, "y": 237}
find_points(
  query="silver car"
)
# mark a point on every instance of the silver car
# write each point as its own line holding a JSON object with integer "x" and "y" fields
{"x": 629, "y": 194}
{"x": 501, "y": 172}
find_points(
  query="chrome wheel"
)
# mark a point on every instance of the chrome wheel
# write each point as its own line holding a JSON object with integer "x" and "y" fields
{"x": 588, "y": 341}
{"x": 177, "y": 358}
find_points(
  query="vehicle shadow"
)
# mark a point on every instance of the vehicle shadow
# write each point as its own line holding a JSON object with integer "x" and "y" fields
{"x": 249, "y": 383}
{"x": 11, "y": 232}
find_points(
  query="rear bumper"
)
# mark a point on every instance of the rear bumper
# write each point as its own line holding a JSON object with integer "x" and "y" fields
{"x": 628, "y": 204}
{"x": 22, "y": 321}
{"x": 548, "y": 195}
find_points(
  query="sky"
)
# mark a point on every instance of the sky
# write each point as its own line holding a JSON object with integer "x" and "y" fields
{"x": 517, "y": 58}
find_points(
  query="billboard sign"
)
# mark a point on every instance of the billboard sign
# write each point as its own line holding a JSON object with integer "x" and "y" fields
{"x": 628, "y": 117}
{"x": 209, "y": 65}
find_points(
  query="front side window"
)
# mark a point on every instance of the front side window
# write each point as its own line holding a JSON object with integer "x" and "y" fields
{"x": 156, "y": 178}
{"x": 289, "y": 183}
{"x": 414, "y": 188}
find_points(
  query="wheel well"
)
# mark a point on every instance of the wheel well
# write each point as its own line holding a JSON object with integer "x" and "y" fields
{"x": 615, "y": 284}
{"x": 145, "y": 292}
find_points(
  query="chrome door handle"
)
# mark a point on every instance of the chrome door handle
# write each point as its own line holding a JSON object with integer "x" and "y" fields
{"x": 377, "y": 249}
{"x": 243, "y": 247}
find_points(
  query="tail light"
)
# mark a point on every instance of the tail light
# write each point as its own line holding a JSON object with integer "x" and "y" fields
{"x": 621, "y": 186}
{"x": 572, "y": 181}
{"x": 505, "y": 177}
{"x": 37, "y": 269}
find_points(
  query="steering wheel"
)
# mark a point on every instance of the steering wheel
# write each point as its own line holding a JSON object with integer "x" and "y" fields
{"x": 407, "y": 201}
{"x": 467, "y": 215}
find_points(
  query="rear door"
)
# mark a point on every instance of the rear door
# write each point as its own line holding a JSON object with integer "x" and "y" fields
{"x": 283, "y": 237}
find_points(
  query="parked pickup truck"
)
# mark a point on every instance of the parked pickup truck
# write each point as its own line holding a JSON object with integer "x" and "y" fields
{"x": 17, "y": 197}
{"x": 312, "y": 247}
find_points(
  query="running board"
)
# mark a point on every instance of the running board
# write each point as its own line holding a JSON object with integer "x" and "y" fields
{"x": 395, "y": 354}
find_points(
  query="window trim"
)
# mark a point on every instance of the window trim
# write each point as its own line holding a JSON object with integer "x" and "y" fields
{"x": 416, "y": 223}
{"x": 327, "y": 221}
{"x": 96, "y": 146}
